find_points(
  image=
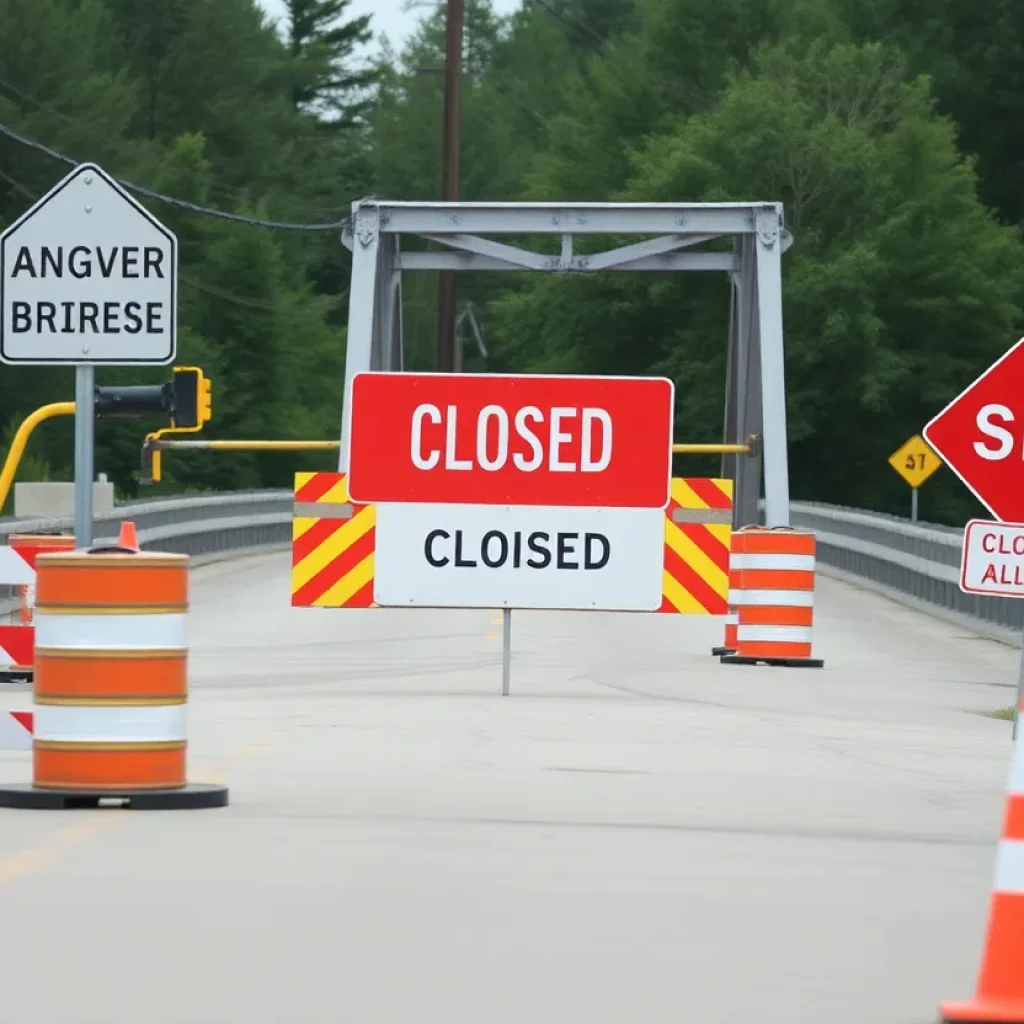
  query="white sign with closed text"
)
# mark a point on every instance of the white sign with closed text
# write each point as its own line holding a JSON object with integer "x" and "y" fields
{"x": 992, "y": 559}
{"x": 88, "y": 275}
{"x": 502, "y": 556}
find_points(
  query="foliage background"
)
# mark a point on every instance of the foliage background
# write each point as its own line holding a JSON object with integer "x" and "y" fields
{"x": 891, "y": 131}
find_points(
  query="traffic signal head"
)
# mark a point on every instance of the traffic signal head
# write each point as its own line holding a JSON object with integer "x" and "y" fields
{"x": 186, "y": 400}
{"x": 205, "y": 400}
{"x": 193, "y": 401}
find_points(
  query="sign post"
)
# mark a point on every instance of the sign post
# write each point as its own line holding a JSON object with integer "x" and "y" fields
{"x": 980, "y": 434}
{"x": 915, "y": 462}
{"x": 85, "y": 452}
{"x": 514, "y": 491}
{"x": 88, "y": 277}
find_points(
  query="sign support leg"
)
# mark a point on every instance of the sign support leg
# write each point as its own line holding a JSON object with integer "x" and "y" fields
{"x": 1020, "y": 690}
{"x": 913, "y": 504}
{"x": 85, "y": 377}
{"x": 506, "y": 650}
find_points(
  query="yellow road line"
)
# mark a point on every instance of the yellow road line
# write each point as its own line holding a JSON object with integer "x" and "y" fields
{"x": 27, "y": 862}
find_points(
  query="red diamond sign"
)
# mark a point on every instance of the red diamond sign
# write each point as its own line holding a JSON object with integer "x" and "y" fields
{"x": 980, "y": 436}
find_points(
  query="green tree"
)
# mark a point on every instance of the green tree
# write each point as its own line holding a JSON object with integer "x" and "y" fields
{"x": 973, "y": 54}
{"x": 322, "y": 44}
{"x": 899, "y": 289}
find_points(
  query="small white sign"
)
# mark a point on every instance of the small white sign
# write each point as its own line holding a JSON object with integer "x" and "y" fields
{"x": 992, "y": 560}
{"x": 501, "y": 556}
{"x": 88, "y": 275}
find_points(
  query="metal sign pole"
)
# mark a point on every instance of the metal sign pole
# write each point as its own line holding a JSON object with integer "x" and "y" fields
{"x": 85, "y": 377}
{"x": 913, "y": 504}
{"x": 506, "y": 650}
{"x": 1020, "y": 689}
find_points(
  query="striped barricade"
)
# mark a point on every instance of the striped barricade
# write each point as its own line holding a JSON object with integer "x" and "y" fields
{"x": 16, "y": 646}
{"x": 332, "y": 545}
{"x": 18, "y": 570}
{"x": 15, "y": 730}
{"x": 775, "y": 600}
{"x": 698, "y": 525}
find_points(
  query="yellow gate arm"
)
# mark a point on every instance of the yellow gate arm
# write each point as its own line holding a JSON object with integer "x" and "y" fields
{"x": 155, "y": 443}
{"x": 713, "y": 449}
{"x": 46, "y": 412}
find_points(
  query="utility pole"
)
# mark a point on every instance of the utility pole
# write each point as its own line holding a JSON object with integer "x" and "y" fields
{"x": 452, "y": 145}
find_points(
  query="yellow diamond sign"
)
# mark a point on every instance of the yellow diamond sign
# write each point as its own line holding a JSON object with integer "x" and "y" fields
{"x": 915, "y": 461}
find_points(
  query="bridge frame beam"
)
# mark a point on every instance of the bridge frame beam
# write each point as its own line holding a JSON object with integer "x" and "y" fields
{"x": 755, "y": 390}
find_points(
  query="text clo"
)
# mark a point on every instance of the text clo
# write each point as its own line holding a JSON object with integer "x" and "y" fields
{"x": 535, "y": 435}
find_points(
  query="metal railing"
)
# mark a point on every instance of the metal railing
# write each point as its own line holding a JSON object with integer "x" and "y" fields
{"x": 916, "y": 561}
{"x": 207, "y": 527}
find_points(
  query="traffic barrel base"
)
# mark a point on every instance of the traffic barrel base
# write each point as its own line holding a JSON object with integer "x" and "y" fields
{"x": 194, "y": 796}
{"x": 737, "y": 659}
{"x": 16, "y": 675}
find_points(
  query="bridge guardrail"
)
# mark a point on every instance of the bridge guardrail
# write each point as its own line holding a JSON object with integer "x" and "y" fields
{"x": 914, "y": 560}
{"x": 206, "y": 526}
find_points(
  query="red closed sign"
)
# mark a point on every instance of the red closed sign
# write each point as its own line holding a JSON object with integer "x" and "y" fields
{"x": 489, "y": 439}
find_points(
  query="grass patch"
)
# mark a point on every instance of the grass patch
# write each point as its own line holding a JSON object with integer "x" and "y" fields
{"x": 1003, "y": 714}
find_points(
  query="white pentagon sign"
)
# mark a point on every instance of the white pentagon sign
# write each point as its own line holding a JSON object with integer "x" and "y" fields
{"x": 88, "y": 275}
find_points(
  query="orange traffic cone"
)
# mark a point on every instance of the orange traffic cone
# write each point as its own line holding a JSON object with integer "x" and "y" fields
{"x": 1000, "y": 992}
{"x": 128, "y": 538}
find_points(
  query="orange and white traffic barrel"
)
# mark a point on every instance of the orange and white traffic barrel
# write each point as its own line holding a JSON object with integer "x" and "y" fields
{"x": 999, "y": 995}
{"x": 775, "y": 597}
{"x": 732, "y": 617}
{"x": 111, "y": 682}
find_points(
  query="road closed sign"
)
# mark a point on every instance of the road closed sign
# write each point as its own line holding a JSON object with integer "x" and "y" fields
{"x": 88, "y": 275}
{"x": 992, "y": 559}
{"x": 599, "y": 442}
{"x": 494, "y": 556}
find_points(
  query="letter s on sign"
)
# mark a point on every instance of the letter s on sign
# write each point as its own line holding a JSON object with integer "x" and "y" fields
{"x": 422, "y": 412}
{"x": 529, "y": 412}
{"x": 985, "y": 416}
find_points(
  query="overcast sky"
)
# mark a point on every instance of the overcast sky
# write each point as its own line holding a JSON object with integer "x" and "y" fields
{"x": 389, "y": 16}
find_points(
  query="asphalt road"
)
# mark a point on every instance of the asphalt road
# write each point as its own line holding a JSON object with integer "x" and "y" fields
{"x": 637, "y": 834}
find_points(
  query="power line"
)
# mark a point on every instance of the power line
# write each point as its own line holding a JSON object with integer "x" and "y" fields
{"x": 574, "y": 25}
{"x": 17, "y": 185}
{"x": 289, "y": 311}
{"x": 209, "y": 289}
{"x": 77, "y": 122}
{"x": 181, "y": 204}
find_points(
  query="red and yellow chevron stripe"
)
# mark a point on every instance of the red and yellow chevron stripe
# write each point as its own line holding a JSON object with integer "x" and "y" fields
{"x": 698, "y": 526}
{"x": 332, "y": 545}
